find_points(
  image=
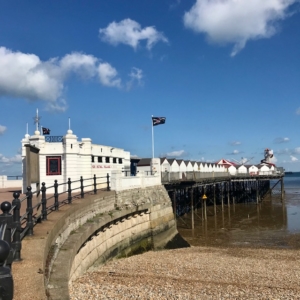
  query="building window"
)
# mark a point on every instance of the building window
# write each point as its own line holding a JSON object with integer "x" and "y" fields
{"x": 120, "y": 160}
{"x": 99, "y": 158}
{"x": 114, "y": 160}
{"x": 93, "y": 158}
{"x": 107, "y": 159}
{"x": 53, "y": 165}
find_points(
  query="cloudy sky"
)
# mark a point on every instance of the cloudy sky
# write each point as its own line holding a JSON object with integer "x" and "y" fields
{"x": 224, "y": 73}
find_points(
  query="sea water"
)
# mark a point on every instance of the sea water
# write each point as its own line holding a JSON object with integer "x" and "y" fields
{"x": 274, "y": 222}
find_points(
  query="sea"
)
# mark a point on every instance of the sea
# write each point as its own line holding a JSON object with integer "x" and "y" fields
{"x": 273, "y": 223}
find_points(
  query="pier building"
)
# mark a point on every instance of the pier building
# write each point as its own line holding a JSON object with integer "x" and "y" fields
{"x": 63, "y": 157}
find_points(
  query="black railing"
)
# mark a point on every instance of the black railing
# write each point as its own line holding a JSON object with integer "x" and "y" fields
{"x": 14, "y": 226}
{"x": 14, "y": 177}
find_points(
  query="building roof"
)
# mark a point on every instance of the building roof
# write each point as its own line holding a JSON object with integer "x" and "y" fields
{"x": 144, "y": 162}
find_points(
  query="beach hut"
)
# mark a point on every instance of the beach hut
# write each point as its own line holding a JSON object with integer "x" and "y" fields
{"x": 164, "y": 165}
{"x": 252, "y": 170}
{"x": 241, "y": 169}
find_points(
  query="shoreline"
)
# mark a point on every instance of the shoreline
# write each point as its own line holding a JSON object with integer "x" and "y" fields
{"x": 195, "y": 273}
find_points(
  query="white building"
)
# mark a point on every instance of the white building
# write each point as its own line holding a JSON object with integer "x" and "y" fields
{"x": 66, "y": 157}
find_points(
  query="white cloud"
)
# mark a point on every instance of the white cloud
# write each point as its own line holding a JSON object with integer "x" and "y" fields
{"x": 234, "y": 152}
{"x": 281, "y": 140}
{"x": 284, "y": 151}
{"x": 26, "y": 76}
{"x": 236, "y": 21}
{"x": 296, "y": 150}
{"x": 298, "y": 111}
{"x": 108, "y": 75}
{"x": 130, "y": 32}
{"x": 175, "y": 4}
{"x": 136, "y": 75}
{"x": 2, "y": 129}
{"x": 60, "y": 105}
{"x": 10, "y": 165}
{"x": 235, "y": 143}
{"x": 82, "y": 64}
{"x": 10, "y": 160}
{"x": 178, "y": 153}
{"x": 293, "y": 158}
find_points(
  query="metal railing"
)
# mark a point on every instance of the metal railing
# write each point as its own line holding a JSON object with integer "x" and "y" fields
{"x": 194, "y": 175}
{"x": 14, "y": 177}
{"x": 14, "y": 226}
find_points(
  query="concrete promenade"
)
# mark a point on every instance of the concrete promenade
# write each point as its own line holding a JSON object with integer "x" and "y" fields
{"x": 28, "y": 274}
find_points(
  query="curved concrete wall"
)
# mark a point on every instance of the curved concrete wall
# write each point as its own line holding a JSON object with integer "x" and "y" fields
{"x": 124, "y": 223}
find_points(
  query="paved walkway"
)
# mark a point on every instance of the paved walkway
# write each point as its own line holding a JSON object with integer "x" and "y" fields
{"x": 28, "y": 274}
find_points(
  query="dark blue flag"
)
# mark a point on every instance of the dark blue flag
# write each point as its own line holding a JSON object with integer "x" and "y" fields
{"x": 158, "y": 120}
{"x": 45, "y": 131}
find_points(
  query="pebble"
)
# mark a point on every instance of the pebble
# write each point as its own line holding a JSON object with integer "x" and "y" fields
{"x": 195, "y": 273}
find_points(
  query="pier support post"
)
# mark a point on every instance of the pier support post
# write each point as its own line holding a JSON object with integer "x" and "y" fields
{"x": 174, "y": 205}
{"x": 228, "y": 194}
{"x": 222, "y": 197}
{"x": 192, "y": 207}
{"x": 257, "y": 192}
{"x": 215, "y": 206}
{"x": 282, "y": 189}
{"x": 204, "y": 204}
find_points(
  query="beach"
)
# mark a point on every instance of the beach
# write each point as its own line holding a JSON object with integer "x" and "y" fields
{"x": 195, "y": 273}
{"x": 248, "y": 252}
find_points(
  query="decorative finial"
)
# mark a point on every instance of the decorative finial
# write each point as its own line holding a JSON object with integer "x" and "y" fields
{"x": 27, "y": 135}
{"x": 37, "y": 120}
{"x": 69, "y": 130}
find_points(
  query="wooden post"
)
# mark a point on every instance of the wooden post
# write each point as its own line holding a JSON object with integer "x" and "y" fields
{"x": 192, "y": 208}
{"x": 282, "y": 189}
{"x": 204, "y": 204}
{"x": 257, "y": 192}
{"x": 222, "y": 197}
{"x": 228, "y": 194}
{"x": 174, "y": 205}
{"x": 215, "y": 206}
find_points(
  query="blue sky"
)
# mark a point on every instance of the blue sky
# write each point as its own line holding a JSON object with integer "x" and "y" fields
{"x": 224, "y": 73}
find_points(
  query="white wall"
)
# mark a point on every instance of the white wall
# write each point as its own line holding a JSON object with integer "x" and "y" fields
{"x": 76, "y": 159}
{"x": 242, "y": 170}
{"x": 120, "y": 183}
{"x": 5, "y": 183}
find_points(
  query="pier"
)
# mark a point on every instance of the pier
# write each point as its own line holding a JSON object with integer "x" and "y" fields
{"x": 195, "y": 190}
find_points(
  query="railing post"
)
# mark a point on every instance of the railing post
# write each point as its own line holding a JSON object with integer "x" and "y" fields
{"x": 81, "y": 187}
{"x": 95, "y": 185}
{"x": 44, "y": 202}
{"x": 107, "y": 181}
{"x": 16, "y": 243}
{"x": 69, "y": 191}
{"x": 6, "y": 222}
{"x": 6, "y": 279}
{"x": 29, "y": 211}
{"x": 55, "y": 195}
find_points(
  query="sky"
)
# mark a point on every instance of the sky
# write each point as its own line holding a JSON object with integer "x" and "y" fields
{"x": 224, "y": 73}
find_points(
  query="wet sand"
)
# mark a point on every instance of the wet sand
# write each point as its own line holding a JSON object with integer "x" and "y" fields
{"x": 271, "y": 224}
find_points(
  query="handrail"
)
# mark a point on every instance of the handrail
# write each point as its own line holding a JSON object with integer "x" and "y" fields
{"x": 20, "y": 226}
{"x": 196, "y": 175}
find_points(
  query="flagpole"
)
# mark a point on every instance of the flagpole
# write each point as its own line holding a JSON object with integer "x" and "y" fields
{"x": 152, "y": 138}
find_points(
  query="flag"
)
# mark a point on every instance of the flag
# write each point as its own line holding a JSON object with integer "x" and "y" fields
{"x": 45, "y": 131}
{"x": 158, "y": 120}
